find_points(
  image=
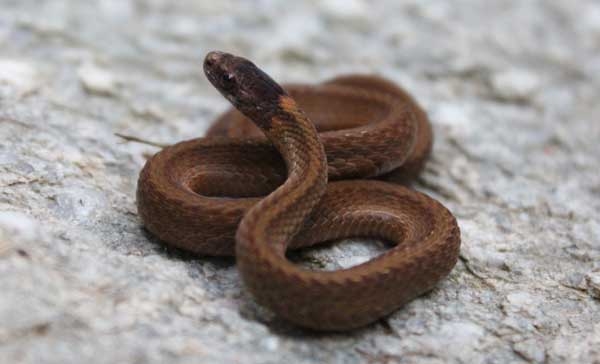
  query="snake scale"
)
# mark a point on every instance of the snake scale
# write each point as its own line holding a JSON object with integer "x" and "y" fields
{"x": 266, "y": 179}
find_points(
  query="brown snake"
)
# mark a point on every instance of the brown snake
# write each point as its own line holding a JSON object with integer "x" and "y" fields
{"x": 368, "y": 128}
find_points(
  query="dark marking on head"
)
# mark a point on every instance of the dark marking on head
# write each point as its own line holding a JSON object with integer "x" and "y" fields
{"x": 247, "y": 87}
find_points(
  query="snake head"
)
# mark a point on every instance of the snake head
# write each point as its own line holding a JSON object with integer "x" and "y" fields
{"x": 248, "y": 88}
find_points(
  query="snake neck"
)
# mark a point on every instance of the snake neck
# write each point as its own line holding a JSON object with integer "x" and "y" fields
{"x": 273, "y": 222}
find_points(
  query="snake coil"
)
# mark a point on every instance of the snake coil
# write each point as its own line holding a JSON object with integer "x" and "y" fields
{"x": 315, "y": 182}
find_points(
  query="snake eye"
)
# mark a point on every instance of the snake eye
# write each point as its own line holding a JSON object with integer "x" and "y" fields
{"x": 227, "y": 78}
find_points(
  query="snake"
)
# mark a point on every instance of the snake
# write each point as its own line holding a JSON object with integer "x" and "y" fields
{"x": 293, "y": 166}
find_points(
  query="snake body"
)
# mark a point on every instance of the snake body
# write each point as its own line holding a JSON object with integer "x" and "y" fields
{"x": 207, "y": 195}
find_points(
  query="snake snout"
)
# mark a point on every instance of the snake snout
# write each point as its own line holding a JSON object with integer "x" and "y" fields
{"x": 213, "y": 58}
{"x": 217, "y": 64}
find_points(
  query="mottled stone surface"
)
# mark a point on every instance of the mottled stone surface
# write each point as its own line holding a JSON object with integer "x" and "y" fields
{"x": 512, "y": 88}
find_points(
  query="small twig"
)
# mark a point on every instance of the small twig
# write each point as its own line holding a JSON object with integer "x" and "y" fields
{"x": 131, "y": 138}
{"x": 15, "y": 121}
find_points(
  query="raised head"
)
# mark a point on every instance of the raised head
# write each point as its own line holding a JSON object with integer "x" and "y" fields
{"x": 248, "y": 88}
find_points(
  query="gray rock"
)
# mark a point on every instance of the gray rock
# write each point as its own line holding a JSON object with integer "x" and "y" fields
{"x": 512, "y": 90}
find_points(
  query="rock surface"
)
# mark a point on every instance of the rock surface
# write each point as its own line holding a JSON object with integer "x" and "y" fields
{"x": 512, "y": 89}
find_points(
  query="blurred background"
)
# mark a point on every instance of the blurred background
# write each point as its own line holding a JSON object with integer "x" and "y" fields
{"x": 511, "y": 88}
